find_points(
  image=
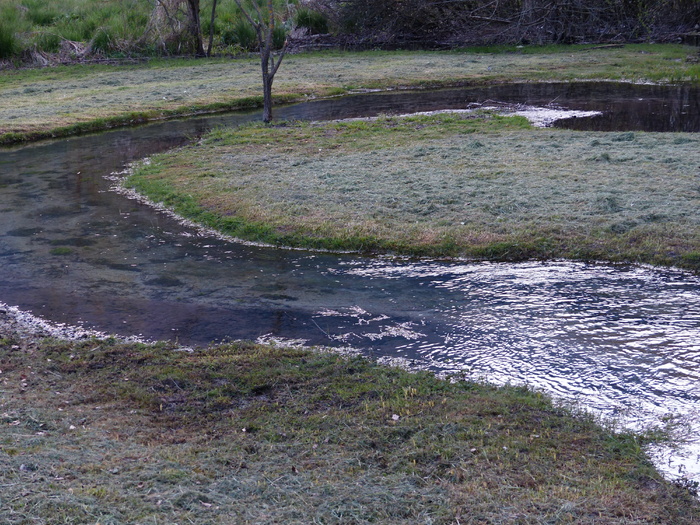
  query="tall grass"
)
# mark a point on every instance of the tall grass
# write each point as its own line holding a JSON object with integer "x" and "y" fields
{"x": 42, "y": 13}
{"x": 8, "y": 41}
{"x": 42, "y": 25}
{"x": 108, "y": 27}
{"x": 240, "y": 33}
{"x": 232, "y": 28}
{"x": 11, "y": 24}
{"x": 312, "y": 20}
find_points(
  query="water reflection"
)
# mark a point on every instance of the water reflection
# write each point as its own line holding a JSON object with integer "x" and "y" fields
{"x": 622, "y": 340}
{"x": 635, "y": 108}
{"x": 624, "y": 107}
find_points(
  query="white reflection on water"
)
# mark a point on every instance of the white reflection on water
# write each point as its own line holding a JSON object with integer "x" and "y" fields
{"x": 622, "y": 342}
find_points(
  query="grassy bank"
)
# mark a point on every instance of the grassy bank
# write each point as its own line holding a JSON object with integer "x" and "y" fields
{"x": 478, "y": 186}
{"x": 72, "y": 99}
{"x": 111, "y": 433}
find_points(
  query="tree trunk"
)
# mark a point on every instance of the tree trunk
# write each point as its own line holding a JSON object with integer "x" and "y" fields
{"x": 267, "y": 100}
{"x": 196, "y": 26}
{"x": 267, "y": 83}
{"x": 211, "y": 28}
{"x": 269, "y": 66}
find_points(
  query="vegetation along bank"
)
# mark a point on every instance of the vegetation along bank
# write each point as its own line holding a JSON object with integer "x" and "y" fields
{"x": 58, "y": 31}
{"x": 100, "y": 431}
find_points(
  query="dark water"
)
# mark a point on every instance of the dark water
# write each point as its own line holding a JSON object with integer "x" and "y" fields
{"x": 624, "y": 107}
{"x": 622, "y": 340}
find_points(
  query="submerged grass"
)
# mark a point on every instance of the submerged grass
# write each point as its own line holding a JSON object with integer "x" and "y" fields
{"x": 105, "y": 432}
{"x": 71, "y": 99}
{"x": 470, "y": 185}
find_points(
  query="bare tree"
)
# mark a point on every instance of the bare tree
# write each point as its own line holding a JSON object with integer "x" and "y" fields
{"x": 264, "y": 25}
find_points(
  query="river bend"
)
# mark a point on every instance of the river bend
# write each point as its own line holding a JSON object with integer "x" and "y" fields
{"x": 623, "y": 341}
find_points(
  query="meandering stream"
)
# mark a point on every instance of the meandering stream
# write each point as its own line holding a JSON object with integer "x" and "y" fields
{"x": 623, "y": 341}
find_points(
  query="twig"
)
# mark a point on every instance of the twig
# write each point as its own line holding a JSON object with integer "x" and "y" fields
{"x": 321, "y": 329}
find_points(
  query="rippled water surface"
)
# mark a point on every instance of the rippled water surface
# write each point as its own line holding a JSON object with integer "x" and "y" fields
{"x": 621, "y": 340}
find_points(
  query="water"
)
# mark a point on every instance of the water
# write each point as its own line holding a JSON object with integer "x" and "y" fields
{"x": 622, "y": 341}
{"x": 623, "y": 107}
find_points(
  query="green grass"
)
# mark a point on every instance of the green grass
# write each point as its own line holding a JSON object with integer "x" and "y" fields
{"x": 42, "y": 26}
{"x": 477, "y": 186}
{"x": 104, "y": 432}
{"x": 58, "y": 101}
{"x": 107, "y": 28}
{"x": 61, "y": 250}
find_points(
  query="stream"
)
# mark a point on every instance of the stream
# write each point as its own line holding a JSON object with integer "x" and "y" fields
{"x": 622, "y": 341}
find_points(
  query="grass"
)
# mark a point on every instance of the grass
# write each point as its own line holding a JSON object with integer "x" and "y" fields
{"x": 100, "y": 431}
{"x": 108, "y": 28}
{"x": 477, "y": 186}
{"x": 105, "y": 432}
{"x": 72, "y": 99}
{"x": 61, "y": 250}
{"x": 42, "y": 26}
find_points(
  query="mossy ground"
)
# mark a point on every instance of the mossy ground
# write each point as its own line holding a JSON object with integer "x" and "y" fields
{"x": 456, "y": 185}
{"x": 105, "y": 432}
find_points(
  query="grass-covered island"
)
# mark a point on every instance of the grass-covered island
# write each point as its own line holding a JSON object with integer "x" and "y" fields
{"x": 445, "y": 185}
{"x": 112, "y": 433}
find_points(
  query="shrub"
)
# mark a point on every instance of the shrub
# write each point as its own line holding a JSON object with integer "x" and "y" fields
{"x": 8, "y": 42}
{"x": 10, "y": 25}
{"x": 240, "y": 33}
{"x": 102, "y": 41}
{"x": 312, "y": 20}
{"x": 74, "y": 27}
{"x": 279, "y": 35}
{"x": 47, "y": 42}
{"x": 41, "y": 13}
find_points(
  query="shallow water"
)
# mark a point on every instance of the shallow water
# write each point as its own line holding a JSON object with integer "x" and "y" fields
{"x": 622, "y": 341}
